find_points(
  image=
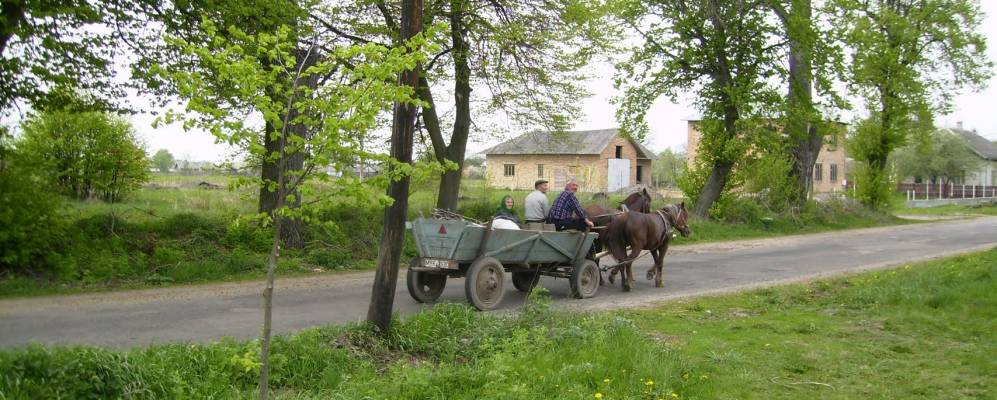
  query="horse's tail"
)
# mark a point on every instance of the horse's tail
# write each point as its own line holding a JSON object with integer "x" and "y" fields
{"x": 616, "y": 238}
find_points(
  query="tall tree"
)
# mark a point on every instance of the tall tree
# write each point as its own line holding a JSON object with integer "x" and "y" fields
{"x": 185, "y": 20}
{"x": 382, "y": 296}
{"x": 812, "y": 61}
{"x": 529, "y": 55}
{"x": 720, "y": 50}
{"x": 264, "y": 70}
{"x": 907, "y": 57}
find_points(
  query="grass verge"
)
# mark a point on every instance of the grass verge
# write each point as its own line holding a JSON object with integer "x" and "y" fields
{"x": 919, "y": 331}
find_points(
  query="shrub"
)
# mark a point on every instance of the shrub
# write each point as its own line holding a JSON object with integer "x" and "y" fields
{"x": 85, "y": 154}
{"x": 30, "y": 221}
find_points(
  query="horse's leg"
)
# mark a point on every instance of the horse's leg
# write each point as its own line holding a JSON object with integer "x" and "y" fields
{"x": 628, "y": 275}
{"x": 659, "y": 264}
{"x": 651, "y": 271}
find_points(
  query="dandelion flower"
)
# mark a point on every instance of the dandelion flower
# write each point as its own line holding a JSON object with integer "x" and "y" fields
{"x": 607, "y": 380}
{"x": 675, "y": 394}
{"x": 598, "y": 395}
{"x": 702, "y": 377}
{"x": 649, "y": 382}
{"x": 685, "y": 375}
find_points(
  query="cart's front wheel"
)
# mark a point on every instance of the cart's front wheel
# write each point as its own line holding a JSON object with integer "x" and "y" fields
{"x": 484, "y": 283}
{"x": 525, "y": 281}
{"x": 424, "y": 287}
{"x": 584, "y": 279}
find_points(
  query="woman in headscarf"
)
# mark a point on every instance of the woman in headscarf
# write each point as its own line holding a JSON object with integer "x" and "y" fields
{"x": 504, "y": 210}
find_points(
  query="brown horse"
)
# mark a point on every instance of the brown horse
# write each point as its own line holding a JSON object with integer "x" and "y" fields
{"x": 601, "y": 216}
{"x": 636, "y": 201}
{"x": 644, "y": 231}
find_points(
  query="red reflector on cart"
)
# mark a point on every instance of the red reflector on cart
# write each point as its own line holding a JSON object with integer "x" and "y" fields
{"x": 443, "y": 230}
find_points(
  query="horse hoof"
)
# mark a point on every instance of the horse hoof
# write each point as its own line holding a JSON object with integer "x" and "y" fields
{"x": 659, "y": 284}
{"x": 626, "y": 288}
{"x": 650, "y": 274}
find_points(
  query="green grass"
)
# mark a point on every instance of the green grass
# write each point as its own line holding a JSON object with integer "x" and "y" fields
{"x": 920, "y": 331}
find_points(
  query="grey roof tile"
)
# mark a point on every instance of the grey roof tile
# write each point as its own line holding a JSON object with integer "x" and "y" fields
{"x": 569, "y": 142}
{"x": 980, "y": 145}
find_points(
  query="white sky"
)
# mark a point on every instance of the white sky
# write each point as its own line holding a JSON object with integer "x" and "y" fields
{"x": 666, "y": 120}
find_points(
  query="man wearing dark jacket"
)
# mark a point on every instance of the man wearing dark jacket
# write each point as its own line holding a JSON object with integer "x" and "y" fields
{"x": 567, "y": 212}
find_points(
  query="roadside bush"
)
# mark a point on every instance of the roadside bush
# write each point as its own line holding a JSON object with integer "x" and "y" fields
{"x": 85, "y": 154}
{"x": 31, "y": 223}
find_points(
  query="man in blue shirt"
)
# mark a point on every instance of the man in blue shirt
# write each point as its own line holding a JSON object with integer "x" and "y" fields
{"x": 567, "y": 212}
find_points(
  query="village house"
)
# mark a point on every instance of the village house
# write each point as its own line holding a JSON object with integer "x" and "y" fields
{"x": 600, "y": 160}
{"x": 829, "y": 170}
{"x": 986, "y": 172}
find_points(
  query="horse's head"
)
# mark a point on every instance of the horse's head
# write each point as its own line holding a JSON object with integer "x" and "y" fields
{"x": 679, "y": 216}
{"x": 639, "y": 201}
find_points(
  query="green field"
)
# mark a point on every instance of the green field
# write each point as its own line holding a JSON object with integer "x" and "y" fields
{"x": 918, "y": 331}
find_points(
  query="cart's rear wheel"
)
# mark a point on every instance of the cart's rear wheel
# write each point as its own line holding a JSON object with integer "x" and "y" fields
{"x": 525, "y": 281}
{"x": 424, "y": 287}
{"x": 484, "y": 283}
{"x": 584, "y": 279}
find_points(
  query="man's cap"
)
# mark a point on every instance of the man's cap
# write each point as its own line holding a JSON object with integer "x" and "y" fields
{"x": 539, "y": 182}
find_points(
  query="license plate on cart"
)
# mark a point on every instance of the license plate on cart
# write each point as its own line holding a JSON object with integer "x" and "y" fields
{"x": 439, "y": 263}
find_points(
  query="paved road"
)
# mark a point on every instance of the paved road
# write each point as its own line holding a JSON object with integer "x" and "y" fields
{"x": 208, "y": 312}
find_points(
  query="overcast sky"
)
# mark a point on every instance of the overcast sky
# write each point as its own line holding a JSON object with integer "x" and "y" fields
{"x": 666, "y": 120}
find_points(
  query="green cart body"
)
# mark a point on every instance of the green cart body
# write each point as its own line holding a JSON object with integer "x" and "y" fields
{"x": 482, "y": 254}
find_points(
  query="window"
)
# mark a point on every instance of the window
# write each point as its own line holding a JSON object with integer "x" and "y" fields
{"x": 818, "y": 172}
{"x": 640, "y": 173}
{"x": 540, "y": 170}
{"x": 832, "y": 141}
{"x": 510, "y": 169}
{"x": 833, "y": 177}
{"x": 619, "y": 151}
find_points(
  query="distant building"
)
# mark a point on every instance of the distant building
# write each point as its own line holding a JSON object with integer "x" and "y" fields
{"x": 829, "y": 170}
{"x": 600, "y": 160}
{"x": 986, "y": 173}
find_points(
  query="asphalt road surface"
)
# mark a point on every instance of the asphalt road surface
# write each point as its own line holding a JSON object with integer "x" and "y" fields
{"x": 203, "y": 313}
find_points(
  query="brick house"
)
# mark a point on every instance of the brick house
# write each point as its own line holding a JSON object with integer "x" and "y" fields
{"x": 829, "y": 170}
{"x": 600, "y": 160}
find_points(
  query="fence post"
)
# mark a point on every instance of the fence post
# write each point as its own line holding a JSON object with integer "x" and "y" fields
{"x": 963, "y": 191}
{"x": 951, "y": 188}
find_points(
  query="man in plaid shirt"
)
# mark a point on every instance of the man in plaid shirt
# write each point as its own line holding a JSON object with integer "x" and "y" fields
{"x": 567, "y": 204}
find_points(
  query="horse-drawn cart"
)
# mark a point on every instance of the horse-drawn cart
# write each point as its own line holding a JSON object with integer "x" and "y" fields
{"x": 458, "y": 248}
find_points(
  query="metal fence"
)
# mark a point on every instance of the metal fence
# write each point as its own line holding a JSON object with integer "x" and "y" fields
{"x": 928, "y": 191}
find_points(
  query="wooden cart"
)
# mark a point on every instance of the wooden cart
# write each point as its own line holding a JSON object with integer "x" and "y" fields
{"x": 481, "y": 254}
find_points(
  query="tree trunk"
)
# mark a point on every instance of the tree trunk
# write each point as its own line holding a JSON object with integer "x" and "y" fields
{"x": 292, "y": 230}
{"x": 13, "y": 15}
{"x": 804, "y": 136}
{"x": 454, "y": 152}
{"x": 392, "y": 238}
{"x": 712, "y": 189}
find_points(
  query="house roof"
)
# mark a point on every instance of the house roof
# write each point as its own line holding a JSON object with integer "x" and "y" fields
{"x": 570, "y": 142}
{"x": 980, "y": 145}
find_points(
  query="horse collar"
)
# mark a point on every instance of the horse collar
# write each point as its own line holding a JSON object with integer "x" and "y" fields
{"x": 664, "y": 220}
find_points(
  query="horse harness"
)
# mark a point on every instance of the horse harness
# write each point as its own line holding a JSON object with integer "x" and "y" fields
{"x": 667, "y": 231}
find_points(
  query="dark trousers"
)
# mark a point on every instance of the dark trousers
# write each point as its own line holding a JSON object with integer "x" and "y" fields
{"x": 575, "y": 223}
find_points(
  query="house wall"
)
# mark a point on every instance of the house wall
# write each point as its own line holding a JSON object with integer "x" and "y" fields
{"x": 589, "y": 170}
{"x": 985, "y": 174}
{"x": 831, "y": 153}
{"x": 558, "y": 168}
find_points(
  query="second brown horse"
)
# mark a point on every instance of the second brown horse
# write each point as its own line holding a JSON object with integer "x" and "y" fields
{"x": 643, "y": 231}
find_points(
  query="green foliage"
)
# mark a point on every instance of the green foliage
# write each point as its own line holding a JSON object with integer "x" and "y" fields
{"x": 668, "y": 168}
{"x": 908, "y": 57}
{"x": 943, "y": 158}
{"x": 163, "y": 160}
{"x": 85, "y": 154}
{"x": 51, "y": 45}
{"x": 31, "y": 217}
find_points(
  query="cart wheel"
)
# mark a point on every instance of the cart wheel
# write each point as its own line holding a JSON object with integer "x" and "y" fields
{"x": 424, "y": 287}
{"x": 525, "y": 281}
{"x": 585, "y": 279}
{"x": 483, "y": 285}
